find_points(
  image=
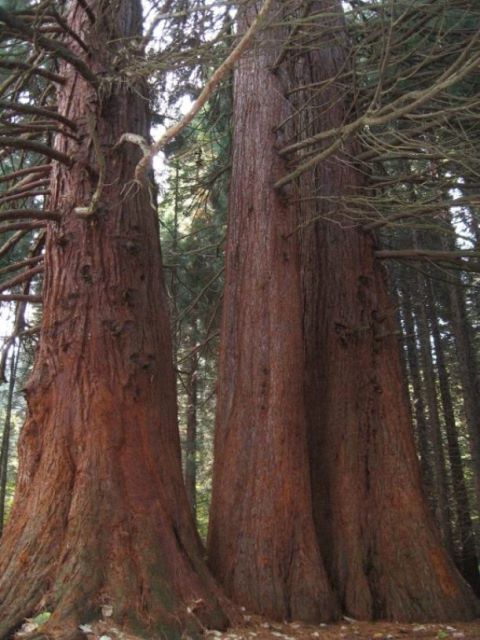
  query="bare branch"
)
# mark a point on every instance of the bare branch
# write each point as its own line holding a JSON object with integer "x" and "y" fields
{"x": 37, "y": 111}
{"x": 38, "y": 147}
{"x": 37, "y": 214}
{"x": 19, "y": 265}
{"x": 12, "y": 63}
{"x": 218, "y": 75}
{"x": 20, "y": 297}
{"x": 11, "y": 242}
{"x": 43, "y": 168}
{"x": 22, "y": 195}
{"x": 21, "y": 226}
{"x": 23, "y": 186}
{"x": 20, "y": 278}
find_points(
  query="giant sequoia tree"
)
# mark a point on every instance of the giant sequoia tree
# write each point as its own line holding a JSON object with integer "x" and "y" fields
{"x": 262, "y": 540}
{"x": 346, "y": 399}
{"x": 101, "y": 515}
{"x": 369, "y": 507}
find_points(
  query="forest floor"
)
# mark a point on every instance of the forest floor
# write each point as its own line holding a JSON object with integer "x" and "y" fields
{"x": 259, "y": 629}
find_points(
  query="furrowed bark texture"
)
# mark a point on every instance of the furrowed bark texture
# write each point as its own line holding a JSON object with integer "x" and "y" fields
{"x": 101, "y": 514}
{"x": 380, "y": 546}
{"x": 382, "y": 553}
{"x": 262, "y": 543}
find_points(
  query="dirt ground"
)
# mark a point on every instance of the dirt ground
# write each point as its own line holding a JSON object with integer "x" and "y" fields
{"x": 259, "y": 629}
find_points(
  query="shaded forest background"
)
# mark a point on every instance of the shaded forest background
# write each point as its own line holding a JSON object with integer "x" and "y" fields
{"x": 413, "y": 85}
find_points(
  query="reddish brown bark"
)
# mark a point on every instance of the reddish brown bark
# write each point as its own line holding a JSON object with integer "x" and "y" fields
{"x": 101, "y": 515}
{"x": 262, "y": 543}
{"x": 383, "y": 556}
{"x": 382, "y": 553}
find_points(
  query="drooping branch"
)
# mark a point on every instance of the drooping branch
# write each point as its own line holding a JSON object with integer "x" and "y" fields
{"x": 85, "y": 6}
{"x": 66, "y": 29}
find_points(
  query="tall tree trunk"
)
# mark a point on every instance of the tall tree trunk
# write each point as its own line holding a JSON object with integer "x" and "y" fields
{"x": 101, "y": 514}
{"x": 7, "y": 430}
{"x": 262, "y": 543}
{"x": 382, "y": 553}
{"x": 381, "y": 549}
{"x": 468, "y": 555}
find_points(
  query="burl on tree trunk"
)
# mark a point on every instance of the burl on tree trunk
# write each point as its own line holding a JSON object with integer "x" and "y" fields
{"x": 101, "y": 514}
{"x": 262, "y": 543}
